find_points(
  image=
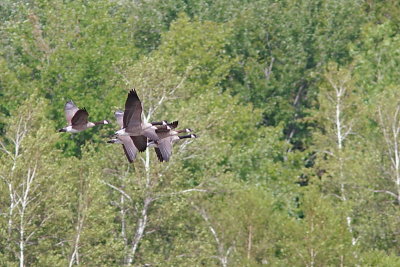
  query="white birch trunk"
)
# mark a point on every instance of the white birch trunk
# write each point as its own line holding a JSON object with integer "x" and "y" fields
{"x": 123, "y": 220}
{"x": 141, "y": 226}
{"x": 341, "y": 135}
{"x": 223, "y": 254}
{"x": 75, "y": 253}
{"x": 391, "y": 131}
{"x": 25, "y": 200}
{"x": 142, "y": 220}
{"x": 14, "y": 154}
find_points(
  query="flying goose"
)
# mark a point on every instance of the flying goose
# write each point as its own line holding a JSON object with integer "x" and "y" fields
{"x": 163, "y": 148}
{"x": 164, "y": 145}
{"x": 128, "y": 146}
{"x": 166, "y": 127}
{"x": 127, "y": 141}
{"x": 159, "y": 123}
{"x": 77, "y": 119}
{"x": 131, "y": 144}
{"x": 133, "y": 124}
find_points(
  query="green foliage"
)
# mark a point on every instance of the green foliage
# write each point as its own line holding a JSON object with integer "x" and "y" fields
{"x": 286, "y": 170}
{"x": 323, "y": 238}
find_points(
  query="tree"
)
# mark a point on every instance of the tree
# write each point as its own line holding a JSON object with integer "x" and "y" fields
{"x": 28, "y": 171}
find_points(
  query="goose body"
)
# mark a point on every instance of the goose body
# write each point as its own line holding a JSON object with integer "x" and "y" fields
{"x": 167, "y": 138}
{"x": 132, "y": 120}
{"x": 132, "y": 144}
{"x": 163, "y": 147}
{"x": 126, "y": 141}
{"x": 127, "y": 145}
{"x": 77, "y": 119}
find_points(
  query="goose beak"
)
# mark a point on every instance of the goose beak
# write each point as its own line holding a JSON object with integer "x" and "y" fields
{"x": 62, "y": 130}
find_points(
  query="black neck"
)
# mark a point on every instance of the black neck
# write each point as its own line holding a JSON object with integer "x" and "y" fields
{"x": 185, "y": 136}
{"x": 158, "y": 123}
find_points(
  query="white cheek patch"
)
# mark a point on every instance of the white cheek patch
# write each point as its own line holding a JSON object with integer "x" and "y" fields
{"x": 121, "y": 132}
{"x": 105, "y": 122}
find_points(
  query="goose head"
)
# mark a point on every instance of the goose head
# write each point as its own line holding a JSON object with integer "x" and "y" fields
{"x": 114, "y": 141}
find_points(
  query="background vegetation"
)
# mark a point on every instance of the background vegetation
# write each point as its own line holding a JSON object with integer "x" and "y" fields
{"x": 296, "y": 104}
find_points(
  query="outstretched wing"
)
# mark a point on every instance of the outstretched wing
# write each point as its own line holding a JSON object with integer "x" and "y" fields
{"x": 165, "y": 146}
{"x": 140, "y": 142}
{"x": 129, "y": 148}
{"x": 151, "y": 134}
{"x": 133, "y": 111}
{"x": 80, "y": 117}
{"x": 70, "y": 109}
{"x": 159, "y": 155}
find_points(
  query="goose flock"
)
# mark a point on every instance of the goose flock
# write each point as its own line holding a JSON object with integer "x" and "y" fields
{"x": 134, "y": 134}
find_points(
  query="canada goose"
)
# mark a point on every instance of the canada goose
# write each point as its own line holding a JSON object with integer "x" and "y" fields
{"x": 77, "y": 119}
{"x": 163, "y": 148}
{"x": 166, "y": 127}
{"x": 131, "y": 144}
{"x": 128, "y": 146}
{"x": 159, "y": 123}
{"x": 132, "y": 120}
{"x": 126, "y": 141}
{"x": 165, "y": 142}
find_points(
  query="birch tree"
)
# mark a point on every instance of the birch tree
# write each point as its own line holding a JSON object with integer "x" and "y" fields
{"x": 26, "y": 174}
{"x": 388, "y": 116}
{"x": 337, "y": 116}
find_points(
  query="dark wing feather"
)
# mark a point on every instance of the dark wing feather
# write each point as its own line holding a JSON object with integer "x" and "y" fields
{"x": 133, "y": 111}
{"x": 165, "y": 146}
{"x": 80, "y": 117}
{"x": 173, "y": 124}
{"x": 128, "y": 156}
{"x": 140, "y": 142}
{"x": 158, "y": 152}
{"x": 129, "y": 147}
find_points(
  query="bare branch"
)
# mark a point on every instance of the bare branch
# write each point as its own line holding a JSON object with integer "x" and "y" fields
{"x": 223, "y": 256}
{"x": 3, "y": 148}
{"x": 386, "y": 192}
{"x": 118, "y": 189}
{"x": 165, "y": 96}
{"x": 183, "y": 192}
{"x": 268, "y": 71}
{"x": 141, "y": 226}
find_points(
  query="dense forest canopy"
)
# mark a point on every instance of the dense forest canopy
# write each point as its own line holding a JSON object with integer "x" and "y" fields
{"x": 296, "y": 105}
